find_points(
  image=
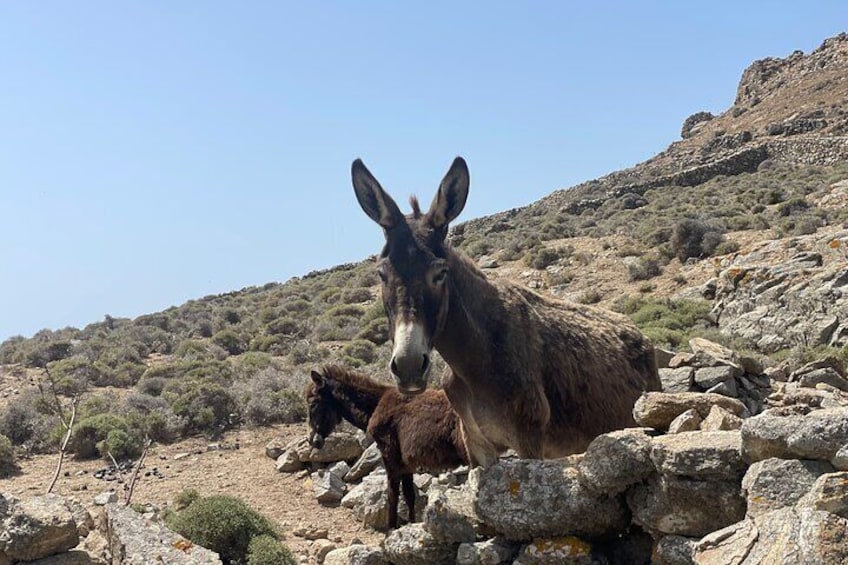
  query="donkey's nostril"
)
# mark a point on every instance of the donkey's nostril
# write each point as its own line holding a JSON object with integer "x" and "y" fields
{"x": 426, "y": 364}
{"x": 394, "y": 367}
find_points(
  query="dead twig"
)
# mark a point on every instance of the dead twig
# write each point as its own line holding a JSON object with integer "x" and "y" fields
{"x": 117, "y": 467}
{"x": 63, "y": 449}
{"x": 135, "y": 472}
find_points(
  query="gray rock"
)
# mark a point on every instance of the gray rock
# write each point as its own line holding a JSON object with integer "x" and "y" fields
{"x": 328, "y": 488}
{"x": 786, "y": 536}
{"x": 716, "y": 353}
{"x": 495, "y": 551}
{"x": 105, "y": 498}
{"x": 825, "y": 375}
{"x": 412, "y": 545}
{"x": 829, "y": 493}
{"x": 37, "y": 527}
{"x": 275, "y": 448}
{"x": 817, "y": 435}
{"x": 616, "y": 460}
{"x": 725, "y": 388}
{"x": 73, "y": 557}
{"x": 367, "y": 462}
{"x": 708, "y": 377}
{"x": 341, "y": 445}
{"x": 777, "y": 483}
{"x": 658, "y": 409}
{"x": 524, "y": 499}
{"x": 370, "y": 503}
{"x": 289, "y": 462}
{"x": 564, "y": 550}
{"x": 357, "y": 554}
{"x": 689, "y": 421}
{"x": 135, "y": 540}
{"x": 339, "y": 469}
{"x": 668, "y": 504}
{"x": 449, "y": 515}
{"x": 840, "y": 459}
{"x": 681, "y": 379}
{"x": 681, "y": 359}
{"x": 321, "y": 548}
{"x": 674, "y": 550}
{"x": 720, "y": 419}
{"x": 705, "y": 455}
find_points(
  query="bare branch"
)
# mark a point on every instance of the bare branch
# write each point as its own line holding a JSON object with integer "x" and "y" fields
{"x": 117, "y": 467}
{"x": 135, "y": 472}
{"x": 64, "y": 447}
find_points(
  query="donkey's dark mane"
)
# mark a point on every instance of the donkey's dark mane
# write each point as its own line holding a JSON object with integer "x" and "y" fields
{"x": 338, "y": 375}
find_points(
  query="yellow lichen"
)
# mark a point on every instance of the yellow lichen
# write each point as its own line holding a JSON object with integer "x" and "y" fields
{"x": 514, "y": 488}
{"x": 570, "y": 545}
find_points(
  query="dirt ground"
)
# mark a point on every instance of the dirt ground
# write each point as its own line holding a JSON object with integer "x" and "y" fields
{"x": 245, "y": 472}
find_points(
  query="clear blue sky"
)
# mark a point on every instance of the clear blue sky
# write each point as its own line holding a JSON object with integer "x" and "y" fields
{"x": 154, "y": 152}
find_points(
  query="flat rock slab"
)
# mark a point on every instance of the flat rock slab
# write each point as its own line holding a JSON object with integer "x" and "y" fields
{"x": 616, "y": 460}
{"x": 775, "y": 483}
{"x": 819, "y": 434}
{"x": 37, "y": 527}
{"x": 699, "y": 454}
{"x": 412, "y": 545}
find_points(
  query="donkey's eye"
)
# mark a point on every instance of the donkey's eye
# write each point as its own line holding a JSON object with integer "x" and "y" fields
{"x": 382, "y": 273}
{"x": 440, "y": 276}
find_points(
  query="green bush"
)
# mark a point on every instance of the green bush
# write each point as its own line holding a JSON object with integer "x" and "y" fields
{"x": 541, "y": 257}
{"x": 668, "y": 322}
{"x": 185, "y": 498}
{"x": 230, "y": 341}
{"x": 97, "y": 435}
{"x": 223, "y": 524}
{"x": 644, "y": 268}
{"x": 694, "y": 238}
{"x": 268, "y": 398}
{"x": 206, "y": 406}
{"x": 8, "y": 462}
{"x": 265, "y": 550}
{"x": 376, "y": 331}
{"x": 361, "y": 349}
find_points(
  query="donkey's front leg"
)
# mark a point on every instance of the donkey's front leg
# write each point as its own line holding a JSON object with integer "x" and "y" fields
{"x": 409, "y": 495}
{"x": 394, "y": 484}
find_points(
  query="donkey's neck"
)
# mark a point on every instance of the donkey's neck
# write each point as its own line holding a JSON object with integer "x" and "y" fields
{"x": 356, "y": 405}
{"x": 473, "y": 301}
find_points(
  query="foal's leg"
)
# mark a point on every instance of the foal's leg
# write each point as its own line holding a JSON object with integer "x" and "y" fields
{"x": 394, "y": 484}
{"x": 409, "y": 495}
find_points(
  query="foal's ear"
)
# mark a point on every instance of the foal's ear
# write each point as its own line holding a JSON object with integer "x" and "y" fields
{"x": 374, "y": 201}
{"x": 450, "y": 199}
{"x": 317, "y": 378}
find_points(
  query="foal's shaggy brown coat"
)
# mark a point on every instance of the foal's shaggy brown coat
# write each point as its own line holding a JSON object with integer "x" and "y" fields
{"x": 538, "y": 375}
{"x": 412, "y": 433}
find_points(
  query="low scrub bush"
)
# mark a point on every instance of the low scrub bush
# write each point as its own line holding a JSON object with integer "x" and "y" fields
{"x": 206, "y": 406}
{"x": 101, "y": 434}
{"x": 644, "y": 268}
{"x": 223, "y": 524}
{"x": 694, "y": 238}
{"x": 265, "y": 550}
{"x": 8, "y": 461}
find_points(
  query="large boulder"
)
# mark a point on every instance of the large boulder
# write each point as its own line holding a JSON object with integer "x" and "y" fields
{"x": 37, "y": 527}
{"x": 495, "y": 551}
{"x": 819, "y": 434}
{"x": 136, "y": 540}
{"x": 669, "y": 504}
{"x": 775, "y": 483}
{"x": 524, "y": 499}
{"x": 449, "y": 515}
{"x": 412, "y": 545}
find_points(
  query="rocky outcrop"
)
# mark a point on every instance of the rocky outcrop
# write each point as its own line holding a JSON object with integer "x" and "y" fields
{"x": 136, "y": 540}
{"x": 775, "y": 304}
{"x": 36, "y": 528}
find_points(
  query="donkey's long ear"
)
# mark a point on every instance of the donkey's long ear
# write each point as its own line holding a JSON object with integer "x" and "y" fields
{"x": 450, "y": 199}
{"x": 374, "y": 201}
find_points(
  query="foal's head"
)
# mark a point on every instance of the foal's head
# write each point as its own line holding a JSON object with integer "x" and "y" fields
{"x": 413, "y": 268}
{"x": 324, "y": 413}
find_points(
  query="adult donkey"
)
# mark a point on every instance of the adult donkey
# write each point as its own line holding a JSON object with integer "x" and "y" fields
{"x": 540, "y": 376}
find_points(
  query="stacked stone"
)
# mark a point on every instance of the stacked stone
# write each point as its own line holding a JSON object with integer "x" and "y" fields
{"x": 715, "y": 369}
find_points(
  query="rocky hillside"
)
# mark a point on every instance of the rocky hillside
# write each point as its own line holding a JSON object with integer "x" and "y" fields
{"x": 738, "y": 233}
